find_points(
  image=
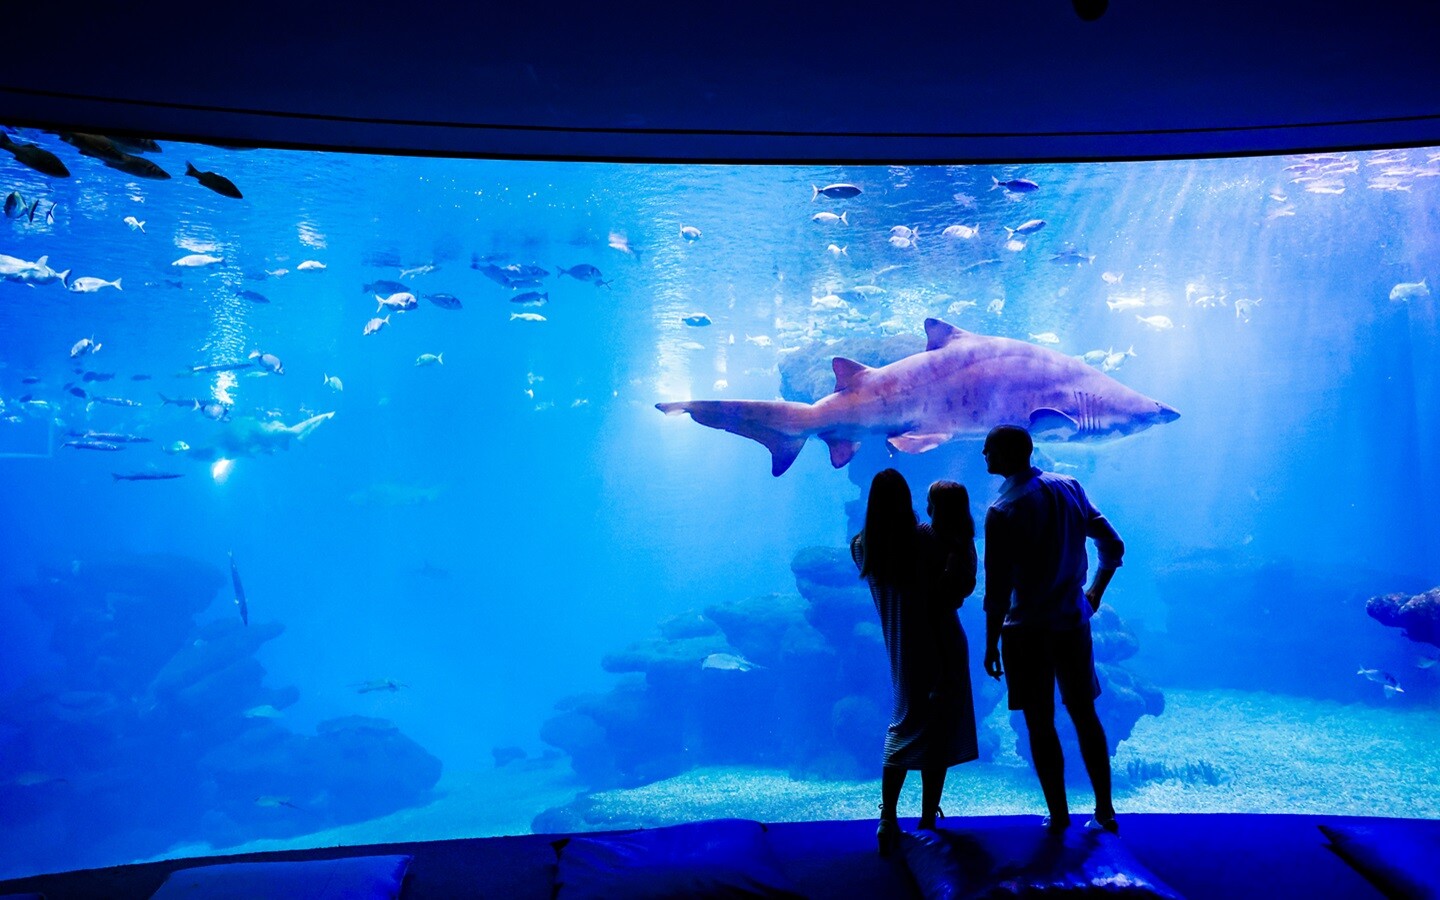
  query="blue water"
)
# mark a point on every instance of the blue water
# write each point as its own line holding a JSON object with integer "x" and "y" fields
{"x": 483, "y": 532}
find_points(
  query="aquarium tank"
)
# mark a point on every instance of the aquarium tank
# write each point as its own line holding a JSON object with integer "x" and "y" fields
{"x": 341, "y": 504}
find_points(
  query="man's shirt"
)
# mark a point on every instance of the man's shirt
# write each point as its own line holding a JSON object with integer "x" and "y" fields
{"x": 1035, "y": 558}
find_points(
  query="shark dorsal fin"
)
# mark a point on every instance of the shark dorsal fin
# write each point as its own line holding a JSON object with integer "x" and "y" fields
{"x": 846, "y": 372}
{"x": 938, "y": 333}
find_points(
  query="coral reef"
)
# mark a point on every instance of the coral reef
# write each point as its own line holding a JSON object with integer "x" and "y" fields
{"x": 1418, "y": 615}
{"x": 142, "y": 689}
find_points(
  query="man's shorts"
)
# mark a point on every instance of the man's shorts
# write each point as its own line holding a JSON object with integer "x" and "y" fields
{"x": 1037, "y": 659}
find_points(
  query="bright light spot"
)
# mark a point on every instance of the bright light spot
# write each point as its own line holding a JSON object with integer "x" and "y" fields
{"x": 223, "y": 383}
{"x": 220, "y": 470}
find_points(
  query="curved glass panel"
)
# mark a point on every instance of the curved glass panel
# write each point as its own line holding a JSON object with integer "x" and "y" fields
{"x": 342, "y": 512}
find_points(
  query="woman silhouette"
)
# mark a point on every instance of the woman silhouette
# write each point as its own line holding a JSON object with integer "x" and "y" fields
{"x": 918, "y": 579}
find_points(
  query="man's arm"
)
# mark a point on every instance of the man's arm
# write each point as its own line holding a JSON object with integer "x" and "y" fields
{"x": 998, "y": 588}
{"x": 1111, "y": 550}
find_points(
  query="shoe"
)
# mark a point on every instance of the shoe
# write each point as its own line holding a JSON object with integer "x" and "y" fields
{"x": 887, "y": 835}
{"x": 1055, "y": 825}
{"x": 927, "y": 822}
{"x": 1103, "y": 823}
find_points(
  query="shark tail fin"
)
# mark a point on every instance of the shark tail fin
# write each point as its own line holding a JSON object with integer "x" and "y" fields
{"x": 777, "y": 424}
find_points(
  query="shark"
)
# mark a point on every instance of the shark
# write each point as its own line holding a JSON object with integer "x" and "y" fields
{"x": 249, "y": 437}
{"x": 962, "y": 385}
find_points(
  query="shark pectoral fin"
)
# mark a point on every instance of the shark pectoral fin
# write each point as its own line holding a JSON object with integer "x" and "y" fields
{"x": 1052, "y": 423}
{"x": 302, "y": 431}
{"x": 842, "y": 450}
{"x": 846, "y": 372}
{"x": 914, "y": 442}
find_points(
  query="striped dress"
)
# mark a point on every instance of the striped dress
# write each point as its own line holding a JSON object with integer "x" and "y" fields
{"x": 932, "y": 719}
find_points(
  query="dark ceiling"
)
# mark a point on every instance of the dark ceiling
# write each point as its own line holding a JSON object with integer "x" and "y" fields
{"x": 841, "y": 81}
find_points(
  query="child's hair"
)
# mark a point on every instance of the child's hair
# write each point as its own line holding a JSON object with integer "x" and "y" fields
{"x": 950, "y": 510}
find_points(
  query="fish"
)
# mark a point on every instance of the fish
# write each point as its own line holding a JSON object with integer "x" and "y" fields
{"x": 963, "y": 232}
{"x": 690, "y": 232}
{"x": 1120, "y": 304}
{"x": 116, "y": 401}
{"x": 239, "y": 591}
{"x": 1406, "y": 290}
{"x": 333, "y": 383}
{"x": 138, "y": 166}
{"x": 1045, "y": 337}
{"x": 962, "y": 385}
{"x": 619, "y": 241}
{"x": 430, "y": 359}
{"x": 375, "y": 325}
{"x": 214, "y": 410}
{"x": 1015, "y": 185}
{"x": 378, "y": 684}
{"x": 76, "y": 392}
{"x": 527, "y": 317}
{"x": 829, "y": 218}
{"x": 88, "y": 285}
{"x": 423, "y": 269}
{"x": 829, "y": 301}
{"x": 267, "y": 361}
{"x": 837, "y": 250}
{"x": 959, "y": 306}
{"x": 1244, "y": 307}
{"x": 96, "y": 146}
{"x": 1073, "y": 257}
{"x": 728, "y": 662}
{"x": 835, "y": 191}
{"x": 1094, "y": 357}
{"x": 92, "y": 445}
{"x": 146, "y": 476}
{"x": 140, "y": 377}
{"x": 531, "y": 298}
{"x": 252, "y": 296}
{"x": 35, "y": 157}
{"x": 759, "y": 340}
{"x": 1159, "y": 323}
{"x": 14, "y": 205}
{"x": 84, "y": 346}
{"x": 270, "y": 802}
{"x": 997, "y": 306}
{"x": 197, "y": 260}
{"x": 905, "y": 231}
{"x": 1385, "y": 679}
{"x": 219, "y": 367}
{"x": 696, "y": 320}
{"x": 175, "y": 447}
{"x": 444, "y": 301}
{"x": 1115, "y": 359}
{"x": 1014, "y": 245}
{"x": 273, "y": 273}
{"x": 901, "y": 242}
{"x": 399, "y": 302}
{"x": 691, "y": 345}
{"x": 1029, "y": 226}
{"x": 384, "y": 286}
{"x": 215, "y": 182}
{"x": 112, "y": 437}
{"x": 97, "y": 376}
{"x": 1112, "y": 277}
{"x": 26, "y": 272}
{"x": 265, "y": 711}
{"x": 135, "y": 224}
{"x": 582, "y": 272}
{"x": 135, "y": 144}
{"x": 310, "y": 265}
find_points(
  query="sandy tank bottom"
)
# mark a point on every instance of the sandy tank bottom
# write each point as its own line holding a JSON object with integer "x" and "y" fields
{"x": 1272, "y": 754}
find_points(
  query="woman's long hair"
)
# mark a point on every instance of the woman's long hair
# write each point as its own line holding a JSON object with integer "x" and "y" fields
{"x": 950, "y": 511}
{"x": 888, "y": 540}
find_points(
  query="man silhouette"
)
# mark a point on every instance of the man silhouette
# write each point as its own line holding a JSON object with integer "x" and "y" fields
{"x": 1037, "y": 611}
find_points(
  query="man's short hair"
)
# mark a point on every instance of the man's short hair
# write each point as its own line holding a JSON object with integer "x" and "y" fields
{"x": 1010, "y": 442}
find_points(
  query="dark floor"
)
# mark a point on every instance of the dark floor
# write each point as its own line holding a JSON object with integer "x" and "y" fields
{"x": 1200, "y": 856}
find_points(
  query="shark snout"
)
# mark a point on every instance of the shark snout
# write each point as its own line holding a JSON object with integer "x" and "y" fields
{"x": 1164, "y": 414}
